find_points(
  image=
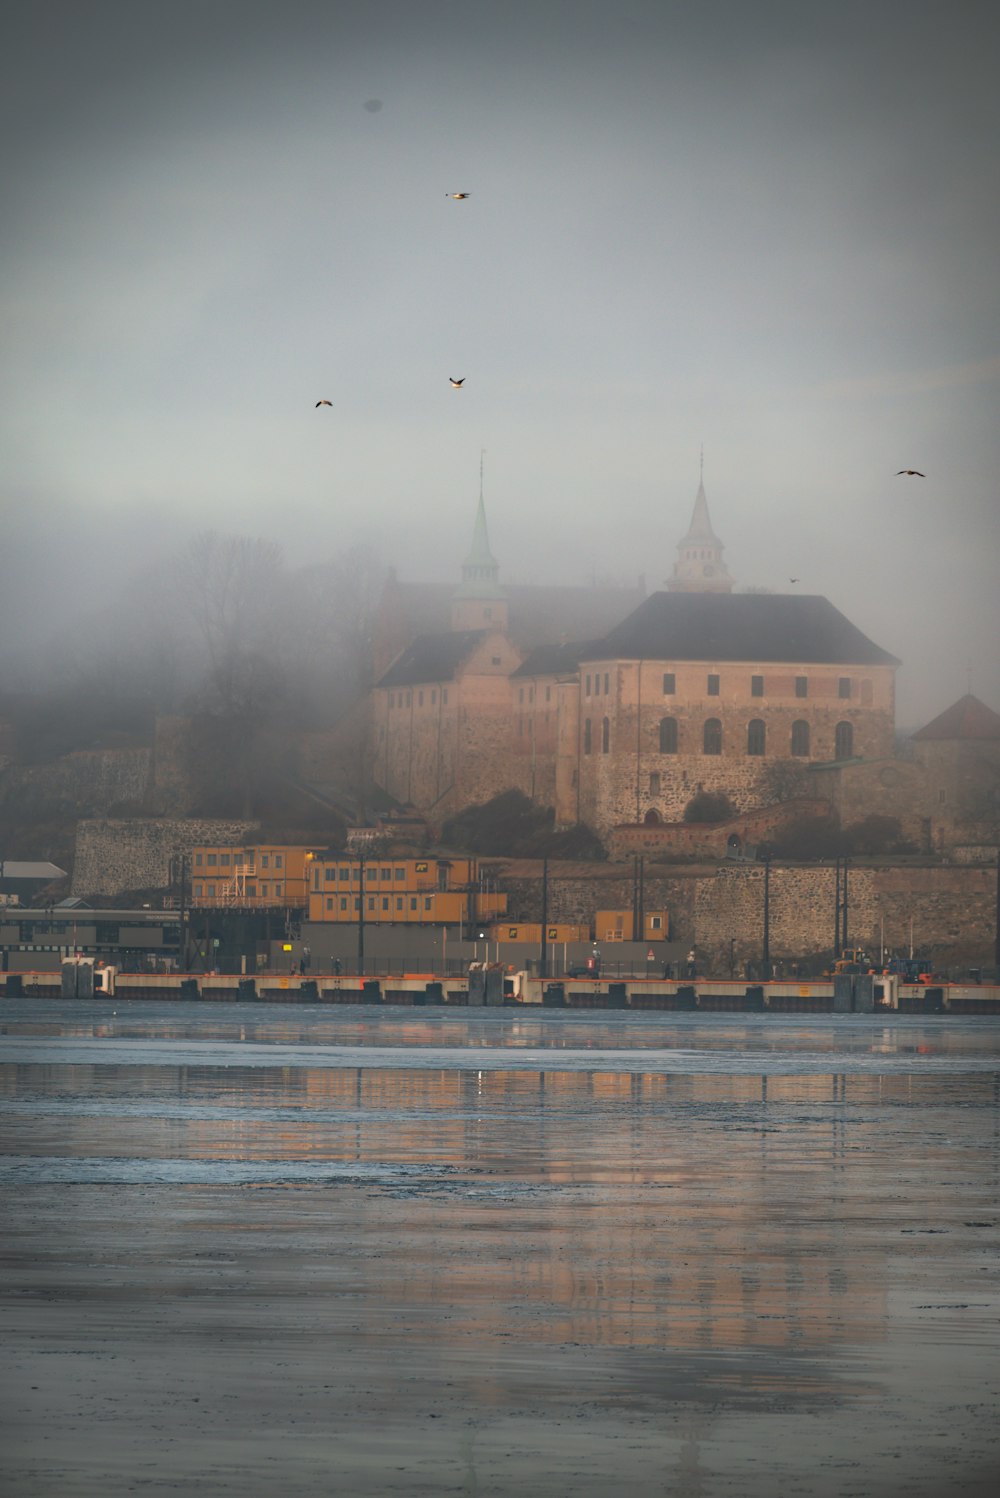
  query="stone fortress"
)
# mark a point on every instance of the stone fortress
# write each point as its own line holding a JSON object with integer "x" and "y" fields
{"x": 618, "y": 720}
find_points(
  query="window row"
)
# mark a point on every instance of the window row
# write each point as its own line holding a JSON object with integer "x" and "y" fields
{"x": 588, "y": 736}
{"x": 713, "y": 685}
{"x": 756, "y": 740}
{"x": 405, "y": 699}
{"x": 253, "y": 891}
{"x": 353, "y": 902}
{"x": 222, "y": 860}
{"x": 592, "y": 684}
{"x": 527, "y": 694}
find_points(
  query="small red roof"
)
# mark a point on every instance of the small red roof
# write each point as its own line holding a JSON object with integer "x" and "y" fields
{"x": 968, "y": 718}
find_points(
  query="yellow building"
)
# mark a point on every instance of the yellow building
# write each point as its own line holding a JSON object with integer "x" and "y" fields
{"x": 264, "y": 876}
{"x": 401, "y": 891}
{"x": 618, "y": 925}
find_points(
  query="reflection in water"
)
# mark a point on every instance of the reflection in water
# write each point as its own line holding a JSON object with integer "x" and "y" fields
{"x": 527, "y": 1221}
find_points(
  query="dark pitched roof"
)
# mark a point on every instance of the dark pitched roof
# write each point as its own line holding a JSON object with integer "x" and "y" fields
{"x": 968, "y": 718}
{"x": 553, "y": 660}
{"x": 740, "y": 627}
{"x": 536, "y": 613}
{"x": 432, "y": 658}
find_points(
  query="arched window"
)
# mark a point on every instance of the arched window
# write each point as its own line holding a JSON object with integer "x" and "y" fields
{"x": 605, "y": 735}
{"x": 843, "y": 741}
{"x": 668, "y": 735}
{"x": 586, "y": 735}
{"x": 800, "y": 738}
{"x": 712, "y": 736}
{"x": 756, "y": 736}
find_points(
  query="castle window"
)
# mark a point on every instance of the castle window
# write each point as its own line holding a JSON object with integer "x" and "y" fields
{"x": 263, "y": 889}
{"x": 548, "y": 694}
{"x": 756, "y": 686}
{"x": 399, "y": 902}
{"x": 669, "y": 683}
{"x": 385, "y": 902}
{"x": 756, "y": 736}
{"x": 278, "y": 860}
{"x": 843, "y": 741}
{"x": 211, "y": 860}
{"x": 197, "y": 859}
{"x": 844, "y": 687}
{"x": 531, "y": 694}
{"x": 444, "y": 695}
{"x": 329, "y": 873}
{"x": 409, "y": 698}
{"x": 392, "y": 700}
{"x": 496, "y": 660}
{"x": 605, "y": 735}
{"x": 434, "y": 696}
{"x": 265, "y": 861}
{"x": 586, "y": 735}
{"x": 800, "y": 738}
{"x": 668, "y": 735}
{"x": 400, "y": 873}
{"x": 802, "y": 686}
{"x": 197, "y": 889}
{"x": 712, "y": 736}
{"x": 413, "y": 902}
{"x": 344, "y": 873}
{"x": 713, "y": 686}
{"x": 654, "y": 782}
{"x": 211, "y": 889}
{"x": 224, "y": 858}
{"x": 586, "y": 689}
{"x": 371, "y": 902}
{"x": 420, "y": 699}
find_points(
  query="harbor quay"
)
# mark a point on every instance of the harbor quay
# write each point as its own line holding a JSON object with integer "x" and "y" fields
{"x": 487, "y": 984}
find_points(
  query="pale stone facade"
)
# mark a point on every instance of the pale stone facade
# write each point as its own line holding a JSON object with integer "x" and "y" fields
{"x": 696, "y": 689}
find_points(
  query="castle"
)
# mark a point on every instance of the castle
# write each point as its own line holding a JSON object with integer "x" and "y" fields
{"x": 621, "y": 722}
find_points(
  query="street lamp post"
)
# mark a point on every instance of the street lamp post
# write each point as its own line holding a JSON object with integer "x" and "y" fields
{"x": 766, "y": 952}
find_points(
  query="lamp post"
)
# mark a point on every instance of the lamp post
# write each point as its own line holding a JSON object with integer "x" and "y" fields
{"x": 766, "y": 949}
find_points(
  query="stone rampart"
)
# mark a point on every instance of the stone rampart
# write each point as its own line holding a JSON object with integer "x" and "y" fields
{"x": 115, "y": 856}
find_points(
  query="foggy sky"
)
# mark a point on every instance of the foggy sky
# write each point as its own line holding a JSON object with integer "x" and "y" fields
{"x": 770, "y": 229}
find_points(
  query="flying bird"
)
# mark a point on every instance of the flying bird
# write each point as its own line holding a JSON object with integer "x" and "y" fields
{"x": 323, "y": 403}
{"x": 793, "y": 579}
{"x": 457, "y": 384}
{"x": 913, "y": 473}
{"x": 456, "y": 195}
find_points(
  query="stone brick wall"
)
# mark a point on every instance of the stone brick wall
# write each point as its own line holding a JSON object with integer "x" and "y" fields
{"x": 115, "y": 856}
{"x": 86, "y": 783}
{"x": 953, "y": 907}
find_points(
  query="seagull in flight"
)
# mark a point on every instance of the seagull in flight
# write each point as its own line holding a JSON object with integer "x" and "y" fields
{"x": 458, "y": 196}
{"x": 323, "y": 403}
{"x": 912, "y": 473}
{"x": 456, "y": 384}
{"x": 793, "y": 579}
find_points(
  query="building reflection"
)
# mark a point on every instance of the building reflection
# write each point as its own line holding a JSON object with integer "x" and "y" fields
{"x": 706, "y": 1212}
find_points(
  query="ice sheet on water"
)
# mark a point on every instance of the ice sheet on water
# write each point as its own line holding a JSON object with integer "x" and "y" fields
{"x": 85, "y": 1051}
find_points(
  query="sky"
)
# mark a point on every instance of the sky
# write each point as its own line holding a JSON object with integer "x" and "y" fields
{"x": 764, "y": 231}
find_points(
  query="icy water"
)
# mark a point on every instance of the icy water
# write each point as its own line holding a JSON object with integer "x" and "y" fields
{"x": 269, "y": 1249}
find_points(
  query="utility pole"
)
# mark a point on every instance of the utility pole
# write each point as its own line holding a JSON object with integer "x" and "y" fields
{"x": 543, "y": 958}
{"x": 843, "y": 937}
{"x": 361, "y": 915}
{"x": 996, "y": 938}
{"x": 766, "y": 952}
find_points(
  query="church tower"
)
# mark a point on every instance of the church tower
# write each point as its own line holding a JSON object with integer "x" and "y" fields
{"x": 479, "y": 602}
{"x": 699, "y": 567}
